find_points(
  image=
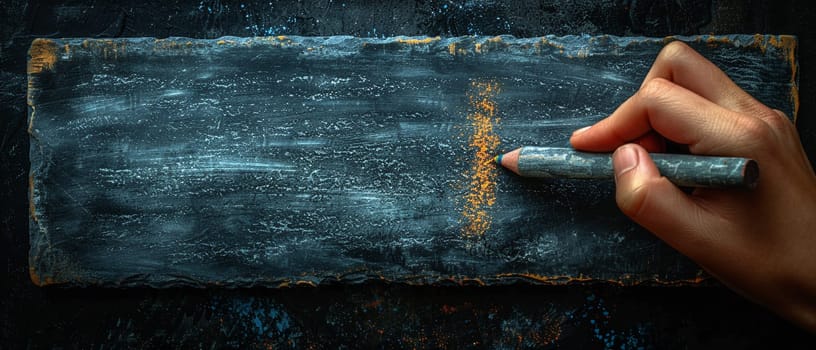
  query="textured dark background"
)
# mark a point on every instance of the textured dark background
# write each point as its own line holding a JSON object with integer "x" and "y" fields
{"x": 372, "y": 314}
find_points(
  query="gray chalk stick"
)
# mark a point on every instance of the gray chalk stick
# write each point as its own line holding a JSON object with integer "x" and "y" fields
{"x": 680, "y": 169}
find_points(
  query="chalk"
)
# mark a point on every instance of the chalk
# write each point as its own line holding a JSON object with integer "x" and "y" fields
{"x": 681, "y": 169}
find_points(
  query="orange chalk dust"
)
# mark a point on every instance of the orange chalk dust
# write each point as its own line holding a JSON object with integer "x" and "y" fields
{"x": 787, "y": 44}
{"x": 481, "y": 176}
{"x": 43, "y": 53}
{"x": 32, "y": 209}
{"x": 416, "y": 41}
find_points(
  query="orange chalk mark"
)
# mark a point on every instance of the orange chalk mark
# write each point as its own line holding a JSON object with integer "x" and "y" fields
{"x": 413, "y": 41}
{"x": 107, "y": 48}
{"x": 167, "y": 44}
{"x": 35, "y": 278}
{"x": 43, "y": 56}
{"x": 759, "y": 42}
{"x": 32, "y": 210}
{"x": 487, "y": 45}
{"x": 305, "y": 283}
{"x": 625, "y": 280}
{"x": 30, "y": 102}
{"x": 713, "y": 41}
{"x": 787, "y": 44}
{"x": 539, "y": 45}
{"x": 481, "y": 193}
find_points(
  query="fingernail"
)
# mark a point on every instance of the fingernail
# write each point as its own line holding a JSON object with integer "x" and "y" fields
{"x": 581, "y": 130}
{"x": 624, "y": 160}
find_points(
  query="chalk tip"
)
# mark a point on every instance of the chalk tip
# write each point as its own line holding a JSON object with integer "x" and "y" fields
{"x": 509, "y": 160}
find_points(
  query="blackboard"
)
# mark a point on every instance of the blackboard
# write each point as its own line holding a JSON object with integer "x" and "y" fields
{"x": 271, "y": 161}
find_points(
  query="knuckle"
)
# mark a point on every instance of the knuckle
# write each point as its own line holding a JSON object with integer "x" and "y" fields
{"x": 779, "y": 121}
{"x": 674, "y": 51}
{"x": 754, "y": 130}
{"x": 738, "y": 100}
{"x": 656, "y": 89}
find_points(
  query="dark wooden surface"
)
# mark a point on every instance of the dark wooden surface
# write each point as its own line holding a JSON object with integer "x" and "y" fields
{"x": 371, "y": 314}
{"x": 278, "y": 160}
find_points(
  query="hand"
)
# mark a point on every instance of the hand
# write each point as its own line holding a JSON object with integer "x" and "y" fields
{"x": 761, "y": 243}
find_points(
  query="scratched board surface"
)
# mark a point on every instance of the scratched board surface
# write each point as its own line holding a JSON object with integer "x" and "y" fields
{"x": 277, "y": 160}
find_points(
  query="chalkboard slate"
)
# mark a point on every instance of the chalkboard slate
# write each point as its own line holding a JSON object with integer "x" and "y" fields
{"x": 271, "y": 161}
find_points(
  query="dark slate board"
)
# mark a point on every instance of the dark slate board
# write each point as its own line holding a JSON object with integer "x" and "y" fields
{"x": 281, "y": 160}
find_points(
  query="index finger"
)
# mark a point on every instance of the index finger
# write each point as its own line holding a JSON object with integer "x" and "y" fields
{"x": 679, "y": 63}
{"x": 679, "y": 115}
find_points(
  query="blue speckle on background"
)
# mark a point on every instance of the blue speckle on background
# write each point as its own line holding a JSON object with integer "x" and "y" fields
{"x": 603, "y": 329}
{"x": 259, "y": 327}
{"x": 260, "y": 321}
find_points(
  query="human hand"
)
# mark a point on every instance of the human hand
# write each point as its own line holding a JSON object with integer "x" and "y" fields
{"x": 761, "y": 243}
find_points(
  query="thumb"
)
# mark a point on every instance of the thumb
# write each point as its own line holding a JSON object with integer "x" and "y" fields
{"x": 658, "y": 205}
